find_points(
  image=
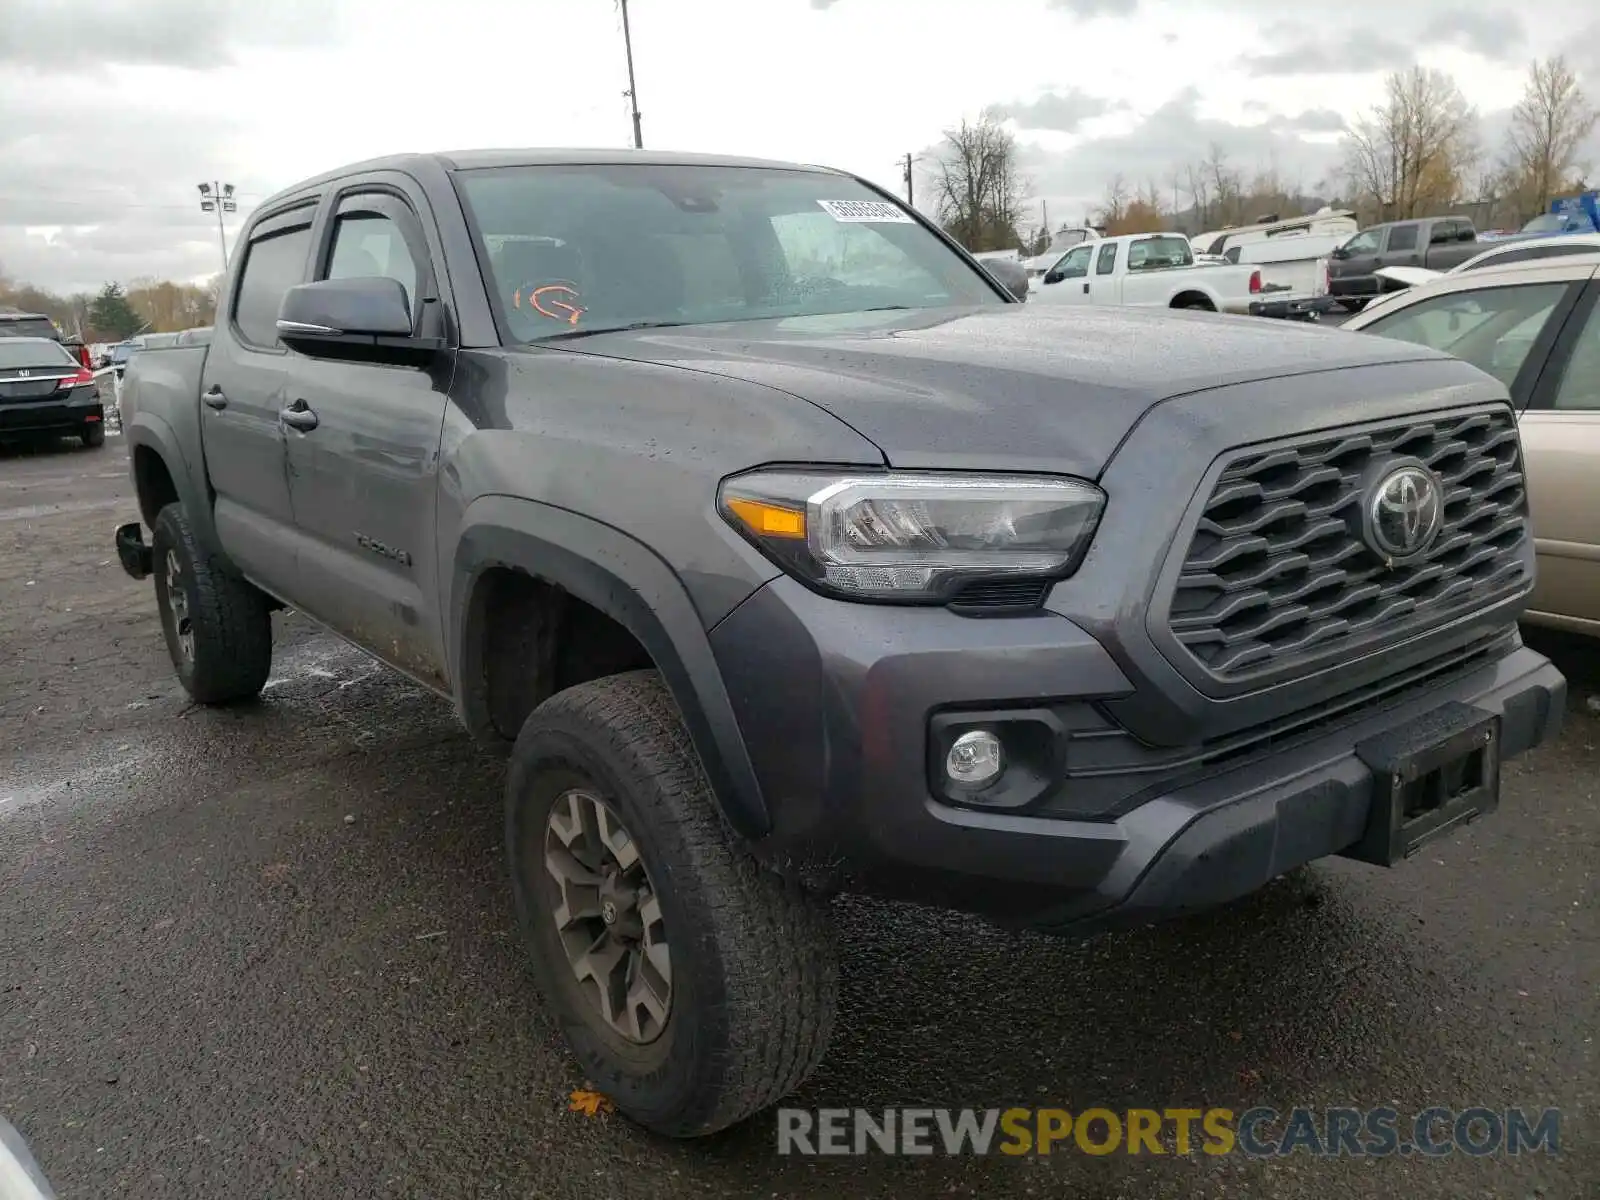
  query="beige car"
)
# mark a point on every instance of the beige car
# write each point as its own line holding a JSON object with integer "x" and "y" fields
{"x": 1536, "y": 327}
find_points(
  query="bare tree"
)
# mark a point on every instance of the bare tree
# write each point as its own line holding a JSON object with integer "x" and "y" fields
{"x": 1412, "y": 152}
{"x": 1199, "y": 193}
{"x": 979, "y": 185}
{"x": 1548, "y": 128}
{"x": 1225, "y": 185}
{"x": 1116, "y": 201}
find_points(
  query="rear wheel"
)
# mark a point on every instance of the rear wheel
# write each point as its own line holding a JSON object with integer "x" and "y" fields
{"x": 94, "y": 435}
{"x": 694, "y": 987}
{"x": 1352, "y": 306}
{"x": 218, "y": 626}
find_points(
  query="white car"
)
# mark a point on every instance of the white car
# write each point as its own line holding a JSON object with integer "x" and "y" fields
{"x": 1146, "y": 270}
{"x": 1535, "y": 326}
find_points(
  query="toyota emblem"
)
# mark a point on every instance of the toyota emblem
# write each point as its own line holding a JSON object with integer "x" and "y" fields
{"x": 1404, "y": 513}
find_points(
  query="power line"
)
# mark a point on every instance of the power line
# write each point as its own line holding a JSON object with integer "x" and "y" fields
{"x": 102, "y": 205}
{"x": 48, "y": 190}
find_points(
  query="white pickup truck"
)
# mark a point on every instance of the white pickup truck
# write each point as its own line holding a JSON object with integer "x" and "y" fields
{"x": 1155, "y": 270}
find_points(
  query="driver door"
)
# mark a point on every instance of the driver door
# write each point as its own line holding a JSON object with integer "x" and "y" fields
{"x": 1068, "y": 281}
{"x": 363, "y": 447}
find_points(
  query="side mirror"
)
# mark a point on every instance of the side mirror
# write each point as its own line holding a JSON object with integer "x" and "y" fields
{"x": 366, "y": 318}
{"x": 1012, "y": 276}
{"x": 1339, "y": 252}
{"x": 1055, "y": 276}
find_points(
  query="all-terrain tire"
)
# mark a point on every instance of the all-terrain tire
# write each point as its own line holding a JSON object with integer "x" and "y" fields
{"x": 754, "y": 966}
{"x": 228, "y": 620}
{"x": 94, "y": 435}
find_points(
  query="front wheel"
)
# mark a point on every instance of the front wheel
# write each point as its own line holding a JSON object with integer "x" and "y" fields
{"x": 694, "y": 987}
{"x": 218, "y": 626}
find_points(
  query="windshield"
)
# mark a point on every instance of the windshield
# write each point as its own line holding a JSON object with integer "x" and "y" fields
{"x": 1548, "y": 223}
{"x": 28, "y": 327}
{"x": 1065, "y": 240}
{"x": 576, "y": 249}
{"x": 20, "y": 355}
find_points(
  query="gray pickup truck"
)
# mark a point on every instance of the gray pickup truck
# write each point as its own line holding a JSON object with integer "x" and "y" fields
{"x": 1434, "y": 243}
{"x": 786, "y": 554}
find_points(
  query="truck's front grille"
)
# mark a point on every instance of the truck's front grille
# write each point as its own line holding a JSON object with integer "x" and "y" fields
{"x": 1278, "y": 569}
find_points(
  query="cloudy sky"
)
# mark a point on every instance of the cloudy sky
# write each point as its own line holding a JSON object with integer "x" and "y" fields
{"x": 112, "y": 110}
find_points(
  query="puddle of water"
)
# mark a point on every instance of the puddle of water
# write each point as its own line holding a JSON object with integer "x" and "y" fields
{"x": 31, "y": 511}
{"x": 19, "y": 794}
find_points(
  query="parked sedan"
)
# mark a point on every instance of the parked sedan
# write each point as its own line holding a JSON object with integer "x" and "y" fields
{"x": 1536, "y": 327}
{"x": 45, "y": 390}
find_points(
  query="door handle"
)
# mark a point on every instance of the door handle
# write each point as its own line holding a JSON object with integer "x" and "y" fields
{"x": 215, "y": 399}
{"x": 299, "y": 416}
{"x": 1086, "y": 289}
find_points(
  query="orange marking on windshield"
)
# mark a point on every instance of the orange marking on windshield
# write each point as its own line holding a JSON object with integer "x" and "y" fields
{"x": 568, "y": 312}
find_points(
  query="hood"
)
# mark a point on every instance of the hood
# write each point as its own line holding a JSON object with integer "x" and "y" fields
{"x": 1006, "y": 387}
{"x": 1408, "y": 276}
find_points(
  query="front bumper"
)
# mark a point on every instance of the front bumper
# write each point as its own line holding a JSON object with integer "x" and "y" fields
{"x": 838, "y": 703}
{"x": 51, "y": 415}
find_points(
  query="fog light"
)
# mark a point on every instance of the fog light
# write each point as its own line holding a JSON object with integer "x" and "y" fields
{"x": 974, "y": 758}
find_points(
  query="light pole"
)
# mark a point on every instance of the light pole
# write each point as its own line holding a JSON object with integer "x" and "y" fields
{"x": 633, "y": 88}
{"x": 218, "y": 198}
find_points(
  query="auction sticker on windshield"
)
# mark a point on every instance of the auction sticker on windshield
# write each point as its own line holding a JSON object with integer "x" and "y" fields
{"x": 865, "y": 210}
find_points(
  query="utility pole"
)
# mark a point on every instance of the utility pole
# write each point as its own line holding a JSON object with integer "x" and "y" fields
{"x": 911, "y": 201}
{"x": 218, "y": 198}
{"x": 633, "y": 88}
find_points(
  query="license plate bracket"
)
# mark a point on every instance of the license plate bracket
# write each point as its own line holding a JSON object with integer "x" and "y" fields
{"x": 1433, "y": 774}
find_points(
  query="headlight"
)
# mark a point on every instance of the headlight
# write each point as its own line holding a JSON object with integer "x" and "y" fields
{"x": 913, "y": 536}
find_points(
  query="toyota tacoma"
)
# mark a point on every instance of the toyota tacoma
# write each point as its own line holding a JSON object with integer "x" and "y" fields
{"x": 785, "y": 554}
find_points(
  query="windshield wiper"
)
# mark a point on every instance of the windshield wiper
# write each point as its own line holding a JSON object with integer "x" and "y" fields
{"x": 569, "y": 334}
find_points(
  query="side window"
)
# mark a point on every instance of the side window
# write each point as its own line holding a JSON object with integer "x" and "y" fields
{"x": 1076, "y": 264}
{"x": 1491, "y": 328}
{"x": 1579, "y": 389}
{"x": 272, "y": 265}
{"x": 1403, "y": 237}
{"x": 1364, "y": 243}
{"x": 367, "y": 244}
{"x": 1107, "y": 261}
{"x": 1529, "y": 253}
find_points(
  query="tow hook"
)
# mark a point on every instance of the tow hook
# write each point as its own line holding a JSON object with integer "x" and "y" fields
{"x": 135, "y": 555}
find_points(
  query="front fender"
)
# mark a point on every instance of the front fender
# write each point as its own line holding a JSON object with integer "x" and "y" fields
{"x": 630, "y": 583}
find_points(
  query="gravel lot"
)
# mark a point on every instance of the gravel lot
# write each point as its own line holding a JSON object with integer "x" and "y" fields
{"x": 270, "y": 951}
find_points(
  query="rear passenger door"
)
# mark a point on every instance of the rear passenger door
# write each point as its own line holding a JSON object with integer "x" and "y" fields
{"x": 242, "y": 390}
{"x": 363, "y": 448}
{"x": 1404, "y": 248}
